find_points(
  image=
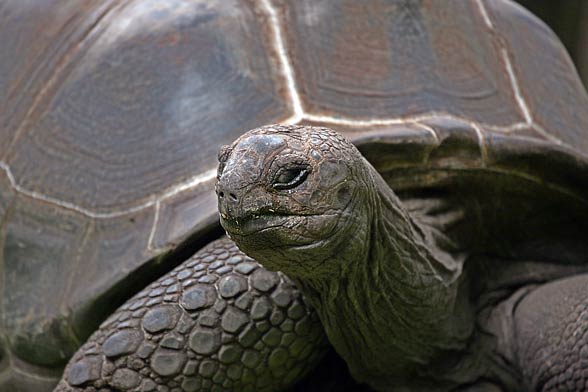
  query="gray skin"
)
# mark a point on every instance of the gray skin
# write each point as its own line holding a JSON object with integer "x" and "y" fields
{"x": 401, "y": 302}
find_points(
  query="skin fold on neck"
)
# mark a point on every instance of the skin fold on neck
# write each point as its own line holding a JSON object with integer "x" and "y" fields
{"x": 390, "y": 308}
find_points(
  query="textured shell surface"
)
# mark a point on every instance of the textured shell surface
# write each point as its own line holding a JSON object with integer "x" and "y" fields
{"x": 113, "y": 113}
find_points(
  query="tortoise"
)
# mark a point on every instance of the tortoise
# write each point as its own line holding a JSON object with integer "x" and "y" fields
{"x": 102, "y": 189}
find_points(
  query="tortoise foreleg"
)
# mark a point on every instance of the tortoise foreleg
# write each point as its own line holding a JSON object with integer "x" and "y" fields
{"x": 218, "y": 322}
{"x": 551, "y": 335}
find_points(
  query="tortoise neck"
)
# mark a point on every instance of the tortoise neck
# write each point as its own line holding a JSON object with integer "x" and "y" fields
{"x": 392, "y": 305}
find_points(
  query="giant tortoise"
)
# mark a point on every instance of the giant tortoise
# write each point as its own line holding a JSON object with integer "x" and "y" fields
{"x": 112, "y": 120}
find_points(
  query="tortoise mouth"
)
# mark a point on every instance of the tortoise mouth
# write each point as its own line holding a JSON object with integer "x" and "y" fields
{"x": 253, "y": 224}
{"x": 267, "y": 222}
{"x": 285, "y": 231}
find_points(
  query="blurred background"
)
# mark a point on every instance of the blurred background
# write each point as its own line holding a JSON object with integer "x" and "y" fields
{"x": 569, "y": 20}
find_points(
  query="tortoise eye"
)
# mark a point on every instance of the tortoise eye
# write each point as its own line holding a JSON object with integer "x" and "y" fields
{"x": 288, "y": 178}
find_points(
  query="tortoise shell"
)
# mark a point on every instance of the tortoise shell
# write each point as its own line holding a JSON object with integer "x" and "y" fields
{"x": 113, "y": 114}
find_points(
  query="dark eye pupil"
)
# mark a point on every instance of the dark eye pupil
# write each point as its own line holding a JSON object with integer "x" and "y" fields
{"x": 287, "y": 176}
{"x": 290, "y": 178}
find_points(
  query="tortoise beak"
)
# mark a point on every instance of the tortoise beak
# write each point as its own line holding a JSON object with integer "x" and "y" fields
{"x": 232, "y": 208}
{"x": 243, "y": 211}
{"x": 229, "y": 204}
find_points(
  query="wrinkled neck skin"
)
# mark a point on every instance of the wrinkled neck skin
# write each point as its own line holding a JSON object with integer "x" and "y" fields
{"x": 390, "y": 310}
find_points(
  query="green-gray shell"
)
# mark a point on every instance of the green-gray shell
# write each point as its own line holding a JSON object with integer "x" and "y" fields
{"x": 112, "y": 113}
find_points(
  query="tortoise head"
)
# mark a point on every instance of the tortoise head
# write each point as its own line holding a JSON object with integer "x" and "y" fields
{"x": 285, "y": 195}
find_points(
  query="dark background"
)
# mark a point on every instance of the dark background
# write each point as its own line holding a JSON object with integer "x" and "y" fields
{"x": 569, "y": 20}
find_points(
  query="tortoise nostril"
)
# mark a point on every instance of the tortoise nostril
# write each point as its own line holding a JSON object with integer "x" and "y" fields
{"x": 233, "y": 197}
{"x": 221, "y": 194}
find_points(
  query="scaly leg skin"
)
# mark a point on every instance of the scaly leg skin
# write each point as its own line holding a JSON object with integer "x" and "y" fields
{"x": 552, "y": 335}
{"x": 218, "y": 322}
